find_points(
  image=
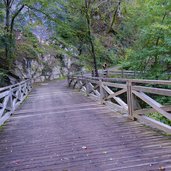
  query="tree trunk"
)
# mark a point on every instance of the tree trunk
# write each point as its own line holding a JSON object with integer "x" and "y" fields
{"x": 87, "y": 3}
{"x": 7, "y": 29}
{"x": 9, "y": 25}
{"x": 114, "y": 18}
{"x": 158, "y": 38}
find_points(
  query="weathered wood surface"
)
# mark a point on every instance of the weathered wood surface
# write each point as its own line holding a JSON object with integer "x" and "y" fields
{"x": 11, "y": 97}
{"x": 128, "y": 95}
{"x": 59, "y": 129}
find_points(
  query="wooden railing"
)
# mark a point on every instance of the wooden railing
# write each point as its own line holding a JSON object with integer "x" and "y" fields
{"x": 11, "y": 97}
{"x": 136, "y": 98}
{"x": 117, "y": 73}
{"x": 126, "y": 74}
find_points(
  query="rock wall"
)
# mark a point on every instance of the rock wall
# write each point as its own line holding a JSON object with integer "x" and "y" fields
{"x": 46, "y": 67}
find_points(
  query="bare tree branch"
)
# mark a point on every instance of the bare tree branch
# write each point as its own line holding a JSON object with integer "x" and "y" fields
{"x": 11, "y": 3}
{"x": 114, "y": 16}
{"x": 44, "y": 13}
{"x": 5, "y": 2}
{"x": 14, "y": 16}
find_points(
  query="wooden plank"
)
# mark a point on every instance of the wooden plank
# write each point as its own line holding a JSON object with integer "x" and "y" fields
{"x": 83, "y": 89}
{"x": 76, "y": 133}
{"x": 115, "y": 107}
{"x": 95, "y": 97}
{"x": 160, "y": 91}
{"x": 116, "y": 93}
{"x": 3, "y": 94}
{"x": 157, "y": 106}
{"x": 102, "y": 92}
{"x": 81, "y": 85}
{"x": 4, "y": 106}
{"x": 94, "y": 81}
{"x": 9, "y": 105}
{"x": 147, "y": 99}
{"x": 5, "y": 118}
{"x": 160, "y": 82}
{"x": 115, "y": 85}
{"x": 75, "y": 83}
{"x": 150, "y": 110}
{"x": 12, "y": 95}
{"x": 70, "y": 82}
{"x": 12, "y": 86}
{"x": 118, "y": 100}
{"x": 130, "y": 100}
{"x": 93, "y": 89}
{"x": 153, "y": 123}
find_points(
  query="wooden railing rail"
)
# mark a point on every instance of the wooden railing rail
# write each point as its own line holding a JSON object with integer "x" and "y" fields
{"x": 134, "y": 97}
{"x": 125, "y": 73}
{"x": 131, "y": 74}
{"x": 11, "y": 97}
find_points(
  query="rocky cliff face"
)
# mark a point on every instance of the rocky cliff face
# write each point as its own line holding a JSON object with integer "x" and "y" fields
{"x": 36, "y": 59}
{"x": 46, "y": 67}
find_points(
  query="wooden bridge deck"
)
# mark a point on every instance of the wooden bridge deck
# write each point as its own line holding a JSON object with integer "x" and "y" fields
{"x": 58, "y": 129}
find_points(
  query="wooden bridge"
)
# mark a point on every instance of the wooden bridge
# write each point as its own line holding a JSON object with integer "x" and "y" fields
{"x": 60, "y": 129}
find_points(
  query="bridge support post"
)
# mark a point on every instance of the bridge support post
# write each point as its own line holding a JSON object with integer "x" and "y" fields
{"x": 68, "y": 80}
{"x": 102, "y": 92}
{"x": 76, "y": 81}
{"x": 87, "y": 88}
{"x": 130, "y": 100}
{"x": 10, "y": 103}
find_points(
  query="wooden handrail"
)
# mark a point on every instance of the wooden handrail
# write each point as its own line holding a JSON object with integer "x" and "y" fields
{"x": 11, "y": 97}
{"x": 127, "y": 95}
{"x": 143, "y": 81}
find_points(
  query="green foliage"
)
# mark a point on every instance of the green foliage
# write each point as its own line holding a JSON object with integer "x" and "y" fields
{"x": 104, "y": 55}
{"x": 151, "y": 49}
{"x": 137, "y": 34}
{"x": 159, "y": 117}
{"x": 26, "y": 51}
{"x": 3, "y": 77}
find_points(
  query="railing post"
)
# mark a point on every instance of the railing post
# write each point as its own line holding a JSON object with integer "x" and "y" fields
{"x": 79, "y": 85}
{"x": 87, "y": 88}
{"x": 102, "y": 92}
{"x": 68, "y": 80}
{"x": 130, "y": 100}
{"x": 30, "y": 84}
{"x": 10, "y": 101}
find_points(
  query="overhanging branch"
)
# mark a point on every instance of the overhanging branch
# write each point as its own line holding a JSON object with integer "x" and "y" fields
{"x": 14, "y": 17}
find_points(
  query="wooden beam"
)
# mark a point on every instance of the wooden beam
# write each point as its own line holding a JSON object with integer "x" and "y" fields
{"x": 12, "y": 99}
{"x": 115, "y": 85}
{"x": 151, "y": 110}
{"x": 116, "y": 94}
{"x": 118, "y": 100}
{"x": 157, "y": 106}
{"x": 160, "y": 91}
{"x": 153, "y": 123}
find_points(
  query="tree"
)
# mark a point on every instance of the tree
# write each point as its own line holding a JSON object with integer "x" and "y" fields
{"x": 147, "y": 26}
{"x": 79, "y": 30}
{"x": 88, "y": 19}
{"x": 13, "y": 9}
{"x": 10, "y": 17}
